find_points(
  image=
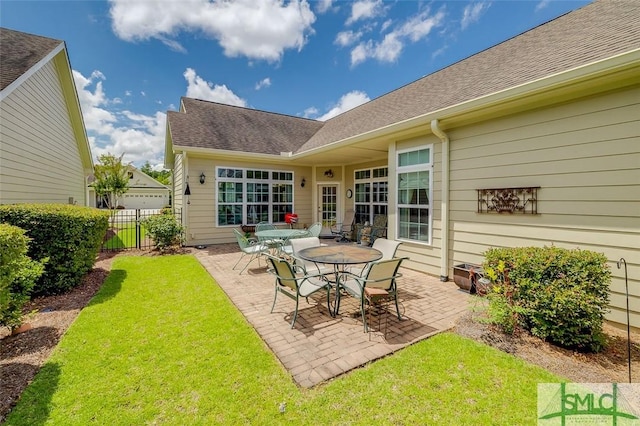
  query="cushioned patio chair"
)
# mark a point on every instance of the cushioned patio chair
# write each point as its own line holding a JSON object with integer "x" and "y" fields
{"x": 306, "y": 266}
{"x": 295, "y": 286}
{"x": 388, "y": 249}
{"x": 381, "y": 274}
{"x": 248, "y": 247}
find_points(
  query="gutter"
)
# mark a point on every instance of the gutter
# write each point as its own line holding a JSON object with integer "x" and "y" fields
{"x": 444, "y": 206}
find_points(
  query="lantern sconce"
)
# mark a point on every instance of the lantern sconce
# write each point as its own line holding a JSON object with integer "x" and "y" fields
{"x": 202, "y": 178}
{"x": 302, "y": 183}
{"x": 328, "y": 173}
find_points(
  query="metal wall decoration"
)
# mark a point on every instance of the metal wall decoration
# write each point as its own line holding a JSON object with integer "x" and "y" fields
{"x": 508, "y": 200}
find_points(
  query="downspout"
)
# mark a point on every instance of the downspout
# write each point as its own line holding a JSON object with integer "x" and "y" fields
{"x": 444, "y": 207}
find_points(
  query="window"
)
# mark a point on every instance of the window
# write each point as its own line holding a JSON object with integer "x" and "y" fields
{"x": 249, "y": 196}
{"x": 371, "y": 193}
{"x": 414, "y": 177}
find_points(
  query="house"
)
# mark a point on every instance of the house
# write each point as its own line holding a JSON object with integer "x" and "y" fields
{"x": 144, "y": 192}
{"x": 44, "y": 151}
{"x": 534, "y": 141}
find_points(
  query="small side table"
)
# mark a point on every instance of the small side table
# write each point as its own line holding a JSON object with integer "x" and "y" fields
{"x": 378, "y": 300}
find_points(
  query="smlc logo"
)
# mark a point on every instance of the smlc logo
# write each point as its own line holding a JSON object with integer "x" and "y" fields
{"x": 588, "y": 403}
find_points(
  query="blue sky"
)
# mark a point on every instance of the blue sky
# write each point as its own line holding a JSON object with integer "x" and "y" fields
{"x": 133, "y": 60}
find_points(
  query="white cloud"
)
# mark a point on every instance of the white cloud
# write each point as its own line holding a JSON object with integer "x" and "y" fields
{"x": 140, "y": 137}
{"x": 389, "y": 49}
{"x": 542, "y": 5}
{"x": 473, "y": 12}
{"x": 198, "y": 88}
{"x": 347, "y": 38}
{"x": 127, "y": 93}
{"x": 257, "y": 30}
{"x": 265, "y": 82}
{"x": 323, "y": 6}
{"x": 365, "y": 9}
{"x": 310, "y": 112}
{"x": 346, "y": 102}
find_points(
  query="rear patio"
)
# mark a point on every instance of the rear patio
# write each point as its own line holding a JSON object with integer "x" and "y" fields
{"x": 320, "y": 347}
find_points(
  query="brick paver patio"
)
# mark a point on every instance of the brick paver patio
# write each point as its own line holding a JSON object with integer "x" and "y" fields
{"x": 321, "y": 347}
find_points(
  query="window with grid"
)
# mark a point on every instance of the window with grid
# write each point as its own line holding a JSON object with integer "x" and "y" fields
{"x": 414, "y": 186}
{"x": 371, "y": 193}
{"x": 249, "y": 196}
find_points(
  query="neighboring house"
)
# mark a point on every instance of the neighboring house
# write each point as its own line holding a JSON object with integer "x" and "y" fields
{"x": 555, "y": 110}
{"x": 44, "y": 150}
{"x": 144, "y": 193}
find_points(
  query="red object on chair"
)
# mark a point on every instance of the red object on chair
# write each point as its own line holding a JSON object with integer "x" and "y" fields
{"x": 290, "y": 218}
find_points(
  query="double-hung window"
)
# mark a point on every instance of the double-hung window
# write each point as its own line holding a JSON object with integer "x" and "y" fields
{"x": 249, "y": 196}
{"x": 414, "y": 185}
{"x": 371, "y": 193}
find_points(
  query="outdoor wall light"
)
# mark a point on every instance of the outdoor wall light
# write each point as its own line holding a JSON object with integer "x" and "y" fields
{"x": 328, "y": 173}
{"x": 302, "y": 183}
{"x": 202, "y": 178}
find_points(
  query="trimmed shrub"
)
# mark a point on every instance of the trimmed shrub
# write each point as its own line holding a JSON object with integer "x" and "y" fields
{"x": 164, "y": 229}
{"x": 70, "y": 236}
{"x": 18, "y": 274}
{"x": 557, "y": 294}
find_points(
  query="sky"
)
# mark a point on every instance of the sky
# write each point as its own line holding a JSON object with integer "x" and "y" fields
{"x": 132, "y": 60}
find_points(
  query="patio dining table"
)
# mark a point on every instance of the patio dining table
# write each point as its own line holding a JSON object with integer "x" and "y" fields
{"x": 340, "y": 255}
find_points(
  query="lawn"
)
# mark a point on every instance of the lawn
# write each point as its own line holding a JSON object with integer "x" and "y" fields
{"x": 162, "y": 344}
{"x": 125, "y": 236}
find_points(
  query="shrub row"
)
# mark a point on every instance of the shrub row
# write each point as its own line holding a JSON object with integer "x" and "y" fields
{"x": 18, "y": 274}
{"x": 557, "y": 294}
{"x": 69, "y": 236}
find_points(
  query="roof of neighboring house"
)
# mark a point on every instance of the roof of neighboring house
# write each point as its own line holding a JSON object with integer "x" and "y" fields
{"x": 22, "y": 55}
{"x": 203, "y": 124}
{"x": 19, "y": 52}
{"x": 598, "y": 31}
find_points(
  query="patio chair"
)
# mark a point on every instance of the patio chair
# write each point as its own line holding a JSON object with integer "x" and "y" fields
{"x": 306, "y": 266}
{"x": 249, "y": 247}
{"x": 344, "y": 229}
{"x": 315, "y": 229}
{"x": 381, "y": 274}
{"x": 295, "y": 286}
{"x": 388, "y": 249}
{"x": 379, "y": 227}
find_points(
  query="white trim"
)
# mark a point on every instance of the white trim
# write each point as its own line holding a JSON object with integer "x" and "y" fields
{"x": 31, "y": 71}
{"x": 415, "y": 168}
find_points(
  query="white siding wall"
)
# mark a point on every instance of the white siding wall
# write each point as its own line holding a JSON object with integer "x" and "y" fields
{"x": 39, "y": 157}
{"x": 585, "y": 156}
{"x": 178, "y": 186}
{"x": 201, "y": 210}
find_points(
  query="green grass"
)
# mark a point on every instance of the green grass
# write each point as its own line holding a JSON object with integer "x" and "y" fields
{"x": 125, "y": 236}
{"x": 162, "y": 344}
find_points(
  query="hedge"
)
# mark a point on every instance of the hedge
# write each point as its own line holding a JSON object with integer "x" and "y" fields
{"x": 557, "y": 294}
{"x": 18, "y": 274}
{"x": 69, "y": 236}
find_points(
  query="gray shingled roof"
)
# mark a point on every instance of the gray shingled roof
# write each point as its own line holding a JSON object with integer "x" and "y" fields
{"x": 597, "y": 31}
{"x": 218, "y": 126}
{"x": 19, "y": 52}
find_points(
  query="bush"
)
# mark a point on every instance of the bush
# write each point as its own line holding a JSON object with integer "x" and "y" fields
{"x": 70, "y": 236}
{"x": 164, "y": 229}
{"x": 557, "y": 294}
{"x": 18, "y": 274}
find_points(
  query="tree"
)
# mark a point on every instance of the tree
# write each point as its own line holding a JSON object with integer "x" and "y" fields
{"x": 112, "y": 179}
{"x": 161, "y": 176}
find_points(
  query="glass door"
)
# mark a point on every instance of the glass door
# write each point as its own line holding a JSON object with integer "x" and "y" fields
{"x": 328, "y": 207}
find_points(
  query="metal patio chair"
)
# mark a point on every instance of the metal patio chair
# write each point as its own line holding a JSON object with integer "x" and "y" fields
{"x": 249, "y": 247}
{"x": 295, "y": 286}
{"x": 381, "y": 274}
